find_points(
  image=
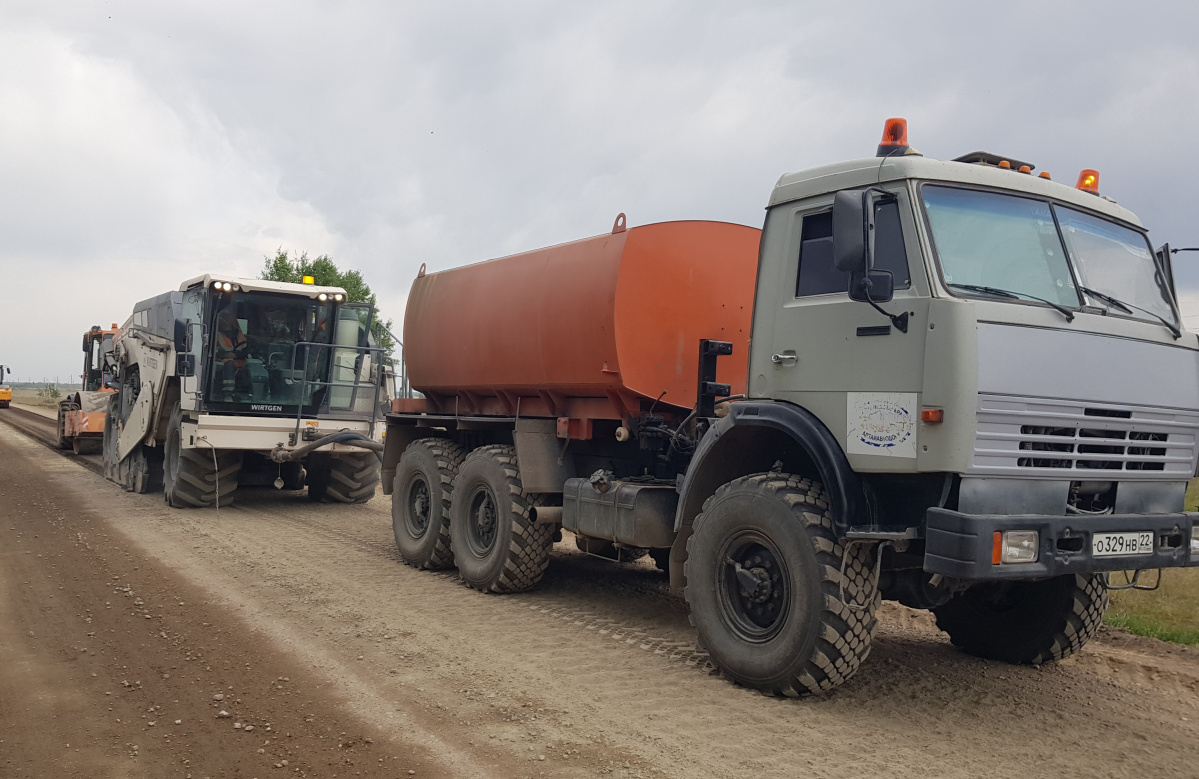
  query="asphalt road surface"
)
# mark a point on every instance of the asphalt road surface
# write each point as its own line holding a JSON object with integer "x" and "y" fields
{"x": 122, "y": 621}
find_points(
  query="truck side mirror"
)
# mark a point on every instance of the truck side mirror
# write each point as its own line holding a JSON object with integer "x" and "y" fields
{"x": 850, "y": 230}
{"x": 881, "y": 284}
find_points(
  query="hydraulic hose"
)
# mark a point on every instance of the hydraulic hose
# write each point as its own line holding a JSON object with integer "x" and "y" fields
{"x": 281, "y": 455}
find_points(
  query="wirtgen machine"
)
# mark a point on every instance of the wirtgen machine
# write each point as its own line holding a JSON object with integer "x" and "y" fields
{"x": 234, "y": 382}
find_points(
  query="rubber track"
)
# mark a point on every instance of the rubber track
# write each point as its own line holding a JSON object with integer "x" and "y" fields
{"x": 529, "y": 550}
{"x": 846, "y": 633}
{"x": 353, "y": 477}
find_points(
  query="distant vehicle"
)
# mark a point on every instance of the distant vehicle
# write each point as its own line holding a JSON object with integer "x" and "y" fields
{"x": 5, "y": 390}
{"x": 954, "y": 384}
{"x": 230, "y": 382}
{"x": 82, "y": 415}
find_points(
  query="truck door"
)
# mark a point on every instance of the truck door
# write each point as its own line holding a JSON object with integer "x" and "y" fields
{"x": 841, "y": 359}
{"x": 351, "y": 358}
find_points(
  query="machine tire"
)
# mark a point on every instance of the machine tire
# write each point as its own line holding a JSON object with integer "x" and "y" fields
{"x": 353, "y": 477}
{"x": 506, "y": 551}
{"x": 792, "y": 635}
{"x": 189, "y": 478}
{"x": 1026, "y": 622}
{"x": 63, "y": 441}
{"x": 420, "y": 502}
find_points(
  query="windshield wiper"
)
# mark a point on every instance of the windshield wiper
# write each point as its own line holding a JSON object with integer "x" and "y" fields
{"x": 1007, "y": 293}
{"x": 1128, "y": 309}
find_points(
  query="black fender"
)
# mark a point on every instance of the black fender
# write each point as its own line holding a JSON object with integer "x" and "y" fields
{"x": 751, "y": 439}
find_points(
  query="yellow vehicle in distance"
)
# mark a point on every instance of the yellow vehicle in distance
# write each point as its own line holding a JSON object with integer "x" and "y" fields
{"x": 5, "y": 390}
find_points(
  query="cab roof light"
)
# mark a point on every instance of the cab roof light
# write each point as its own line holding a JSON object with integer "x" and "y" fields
{"x": 895, "y": 139}
{"x": 1025, "y": 169}
{"x": 1088, "y": 181}
{"x": 308, "y": 280}
{"x": 1005, "y": 164}
{"x": 1044, "y": 174}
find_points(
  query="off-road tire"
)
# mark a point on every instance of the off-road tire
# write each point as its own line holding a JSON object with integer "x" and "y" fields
{"x": 422, "y": 533}
{"x": 63, "y": 441}
{"x": 516, "y": 554}
{"x": 800, "y": 638}
{"x": 343, "y": 478}
{"x": 190, "y": 479}
{"x": 1026, "y": 622}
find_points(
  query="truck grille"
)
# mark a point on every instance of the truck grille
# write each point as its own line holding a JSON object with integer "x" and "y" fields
{"x": 1054, "y": 437}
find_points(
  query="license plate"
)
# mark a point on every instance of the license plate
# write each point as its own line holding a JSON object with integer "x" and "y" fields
{"x": 1113, "y": 544}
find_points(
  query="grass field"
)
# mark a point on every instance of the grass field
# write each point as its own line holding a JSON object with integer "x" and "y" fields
{"x": 1171, "y": 612}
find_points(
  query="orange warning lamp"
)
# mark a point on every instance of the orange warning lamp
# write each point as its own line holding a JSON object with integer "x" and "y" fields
{"x": 895, "y": 138}
{"x": 1088, "y": 181}
{"x": 308, "y": 280}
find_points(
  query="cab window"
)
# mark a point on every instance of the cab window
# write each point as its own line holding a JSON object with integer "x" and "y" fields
{"x": 819, "y": 276}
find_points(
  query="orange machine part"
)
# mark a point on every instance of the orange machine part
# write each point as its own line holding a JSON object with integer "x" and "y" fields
{"x": 597, "y": 328}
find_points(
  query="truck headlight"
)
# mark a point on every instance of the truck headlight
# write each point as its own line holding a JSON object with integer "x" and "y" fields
{"x": 1015, "y": 546}
{"x": 1195, "y": 543}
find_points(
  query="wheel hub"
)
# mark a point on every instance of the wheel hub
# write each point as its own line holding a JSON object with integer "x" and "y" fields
{"x": 754, "y": 589}
{"x": 483, "y": 520}
{"x": 418, "y": 506}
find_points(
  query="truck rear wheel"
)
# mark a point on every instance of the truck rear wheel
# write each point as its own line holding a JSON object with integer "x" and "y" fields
{"x": 497, "y": 546}
{"x": 1025, "y": 622}
{"x": 420, "y": 502}
{"x": 190, "y": 477}
{"x": 764, "y": 585}
{"x": 344, "y": 478}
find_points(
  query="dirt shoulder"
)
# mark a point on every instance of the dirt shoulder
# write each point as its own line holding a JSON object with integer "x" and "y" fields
{"x": 113, "y": 665}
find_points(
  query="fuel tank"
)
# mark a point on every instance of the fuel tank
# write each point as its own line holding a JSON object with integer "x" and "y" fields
{"x": 598, "y": 328}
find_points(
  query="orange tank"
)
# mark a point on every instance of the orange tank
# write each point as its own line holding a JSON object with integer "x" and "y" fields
{"x": 595, "y": 329}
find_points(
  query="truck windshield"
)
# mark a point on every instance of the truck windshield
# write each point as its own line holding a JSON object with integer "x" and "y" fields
{"x": 256, "y": 361}
{"x": 1037, "y": 250}
{"x": 1115, "y": 261}
{"x": 985, "y": 239}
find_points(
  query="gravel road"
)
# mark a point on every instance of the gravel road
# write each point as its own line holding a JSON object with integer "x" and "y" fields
{"x": 121, "y": 616}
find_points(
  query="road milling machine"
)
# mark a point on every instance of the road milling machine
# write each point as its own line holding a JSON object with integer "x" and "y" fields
{"x": 81, "y": 415}
{"x": 228, "y": 382}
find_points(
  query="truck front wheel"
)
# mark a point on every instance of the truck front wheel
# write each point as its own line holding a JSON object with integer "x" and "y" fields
{"x": 1025, "y": 622}
{"x": 765, "y": 588}
{"x": 497, "y": 546}
{"x": 420, "y": 502}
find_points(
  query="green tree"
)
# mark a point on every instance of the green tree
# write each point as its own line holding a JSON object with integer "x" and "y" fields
{"x": 325, "y": 272}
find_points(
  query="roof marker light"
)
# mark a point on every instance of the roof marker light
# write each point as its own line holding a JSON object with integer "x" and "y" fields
{"x": 1043, "y": 174}
{"x": 1088, "y": 181}
{"x": 1025, "y": 169}
{"x": 308, "y": 280}
{"x": 895, "y": 139}
{"x": 1005, "y": 164}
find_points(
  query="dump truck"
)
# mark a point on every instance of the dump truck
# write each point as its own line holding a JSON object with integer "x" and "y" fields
{"x": 230, "y": 382}
{"x": 82, "y": 415}
{"x": 955, "y": 384}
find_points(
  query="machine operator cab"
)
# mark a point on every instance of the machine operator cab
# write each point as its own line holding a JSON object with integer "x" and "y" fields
{"x": 275, "y": 347}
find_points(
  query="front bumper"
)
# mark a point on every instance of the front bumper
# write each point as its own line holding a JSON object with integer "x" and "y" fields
{"x": 960, "y": 545}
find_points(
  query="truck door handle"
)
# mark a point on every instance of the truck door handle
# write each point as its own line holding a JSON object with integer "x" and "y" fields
{"x": 779, "y": 359}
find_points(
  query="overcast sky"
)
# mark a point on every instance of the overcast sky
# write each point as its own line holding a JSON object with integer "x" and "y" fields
{"x": 144, "y": 143}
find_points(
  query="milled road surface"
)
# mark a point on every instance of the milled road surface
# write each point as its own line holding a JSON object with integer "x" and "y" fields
{"x": 301, "y": 617}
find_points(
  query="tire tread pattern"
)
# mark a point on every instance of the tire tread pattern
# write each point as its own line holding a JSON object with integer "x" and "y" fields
{"x": 528, "y": 553}
{"x": 353, "y": 477}
{"x": 449, "y": 456}
{"x": 845, "y": 634}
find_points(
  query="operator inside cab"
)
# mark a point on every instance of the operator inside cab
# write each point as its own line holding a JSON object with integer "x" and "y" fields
{"x": 231, "y": 351}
